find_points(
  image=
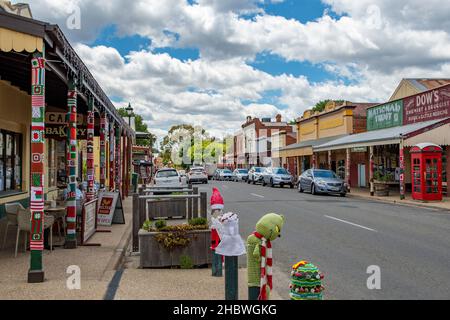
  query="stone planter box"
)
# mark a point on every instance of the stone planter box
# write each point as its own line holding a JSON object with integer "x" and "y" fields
{"x": 155, "y": 255}
{"x": 170, "y": 208}
{"x": 381, "y": 189}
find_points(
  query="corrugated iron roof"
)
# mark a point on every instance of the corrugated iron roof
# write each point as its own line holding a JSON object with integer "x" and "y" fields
{"x": 428, "y": 84}
{"x": 372, "y": 137}
{"x": 311, "y": 143}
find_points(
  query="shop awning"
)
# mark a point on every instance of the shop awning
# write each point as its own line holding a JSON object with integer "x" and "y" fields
{"x": 19, "y": 42}
{"x": 305, "y": 148}
{"x": 381, "y": 137}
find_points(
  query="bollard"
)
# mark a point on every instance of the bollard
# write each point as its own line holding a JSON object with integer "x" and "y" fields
{"x": 216, "y": 265}
{"x": 253, "y": 293}
{"x": 231, "y": 279}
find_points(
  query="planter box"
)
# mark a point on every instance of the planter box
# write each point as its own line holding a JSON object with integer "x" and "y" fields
{"x": 167, "y": 209}
{"x": 381, "y": 189}
{"x": 155, "y": 255}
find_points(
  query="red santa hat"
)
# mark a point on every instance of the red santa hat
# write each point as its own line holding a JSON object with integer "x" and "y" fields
{"x": 216, "y": 200}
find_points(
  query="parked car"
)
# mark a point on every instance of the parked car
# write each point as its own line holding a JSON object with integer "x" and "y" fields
{"x": 277, "y": 177}
{"x": 225, "y": 174}
{"x": 321, "y": 181}
{"x": 255, "y": 175}
{"x": 240, "y": 175}
{"x": 168, "y": 178}
{"x": 184, "y": 177}
{"x": 216, "y": 175}
{"x": 210, "y": 170}
{"x": 198, "y": 175}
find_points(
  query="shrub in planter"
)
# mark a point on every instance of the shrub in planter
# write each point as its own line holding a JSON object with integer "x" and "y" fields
{"x": 198, "y": 222}
{"x": 160, "y": 224}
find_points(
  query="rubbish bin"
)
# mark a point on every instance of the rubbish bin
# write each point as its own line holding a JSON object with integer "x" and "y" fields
{"x": 134, "y": 181}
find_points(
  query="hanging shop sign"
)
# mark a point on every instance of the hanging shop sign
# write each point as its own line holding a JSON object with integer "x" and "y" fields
{"x": 385, "y": 116}
{"x": 430, "y": 105}
{"x": 359, "y": 149}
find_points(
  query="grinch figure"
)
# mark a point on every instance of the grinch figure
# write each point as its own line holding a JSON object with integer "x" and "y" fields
{"x": 259, "y": 256}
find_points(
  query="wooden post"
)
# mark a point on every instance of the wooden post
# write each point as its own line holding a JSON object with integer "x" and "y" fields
{"x": 195, "y": 206}
{"x": 136, "y": 226}
{"x": 103, "y": 151}
{"x": 203, "y": 205}
{"x": 348, "y": 166}
{"x": 90, "y": 151}
{"x": 448, "y": 170}
{"x": 71, "y": 204}
{"x": 314, "y": 161}
{"x": 36, "y": 271}
{"x": 402, "y": 170}
{"x": 231, "y": 279}
{"x": 371, "y": 171}
{"x": 330, "y": 160}
{"x": 216, "y": 265}
{"x": 112, "y": 164}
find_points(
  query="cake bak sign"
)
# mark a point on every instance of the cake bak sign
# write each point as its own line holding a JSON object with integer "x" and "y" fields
{"x": 430, "y": 105}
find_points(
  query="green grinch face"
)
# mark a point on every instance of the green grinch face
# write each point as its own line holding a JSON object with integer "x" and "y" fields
{"x": 270, "y": 226}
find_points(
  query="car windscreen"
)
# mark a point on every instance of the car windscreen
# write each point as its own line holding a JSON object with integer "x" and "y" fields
{"x": 258, "y": 170}
{"x": 167, "y": 174}
{"x": 197, "y": 171}
{"x": 280, "y": 171}
{"x": 325, "y": 174}
{"x": 243, "y": 171}
{"x": 226, "y": 171}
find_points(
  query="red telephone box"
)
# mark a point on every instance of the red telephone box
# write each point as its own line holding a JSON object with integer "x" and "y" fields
{"x": 426, "y": 161}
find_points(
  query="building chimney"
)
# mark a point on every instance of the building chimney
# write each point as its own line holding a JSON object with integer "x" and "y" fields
{"x": 279, "y": 118}
{"x": 249, "y": 118}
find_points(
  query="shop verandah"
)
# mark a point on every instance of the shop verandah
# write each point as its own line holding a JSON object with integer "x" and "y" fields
{"x": 382, "y": 158}
{"x": 42, "y": 156}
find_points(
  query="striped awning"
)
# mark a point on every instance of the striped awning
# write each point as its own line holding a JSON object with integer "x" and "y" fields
{"x": 19, "y": 42}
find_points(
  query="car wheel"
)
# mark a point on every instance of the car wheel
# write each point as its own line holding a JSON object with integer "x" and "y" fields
{"x": 343, "y": 195}
{"x": 313, "y": 190}
{"x": 254, "y": 181}
{"x": 264, "y": 183}
{"x": 292, "y": 186}
{"x": 300, "y": 189}
{"x": 271, "y": 183}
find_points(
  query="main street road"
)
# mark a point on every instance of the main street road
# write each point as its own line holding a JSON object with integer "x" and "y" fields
{"x": 344, "y": 236}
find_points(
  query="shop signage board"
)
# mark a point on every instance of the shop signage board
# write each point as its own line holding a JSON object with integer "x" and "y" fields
{"x": 110, "y": 209}
{"x": 56, "y": 126}
{"x": 427, "y": 106}
{"x": 89, "y": 221}
{"x": 359, "y": 149}
{"x": 385, "y": 116}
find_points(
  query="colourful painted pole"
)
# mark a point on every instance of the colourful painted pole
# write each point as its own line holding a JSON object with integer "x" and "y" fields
{"x": 330, "y": 160}
{"x": 117, "y": 163}
{"x": 71, "y": 158}
{"x": 36, "y": 272}
{"x": 90, "y": 195}
{"x": 402, "y": 171}
{"x": 112, "y": 164}
{"x": 371, "y": 171}
{"x": 348, "y": 166}
{"x": 103, "y": 151}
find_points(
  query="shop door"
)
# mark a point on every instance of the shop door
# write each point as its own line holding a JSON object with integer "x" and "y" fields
{"x": 417, "y": 177}
{"x": 362, "y": 176}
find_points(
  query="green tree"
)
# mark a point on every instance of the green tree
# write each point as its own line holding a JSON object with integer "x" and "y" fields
{"x": 320, "y": 106}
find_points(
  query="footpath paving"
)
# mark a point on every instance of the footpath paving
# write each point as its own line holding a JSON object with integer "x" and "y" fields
{"x": 97, "y": 265}
{"x": 394, "y": 198}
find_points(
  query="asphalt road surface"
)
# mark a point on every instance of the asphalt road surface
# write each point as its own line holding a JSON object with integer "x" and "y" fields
{"x": 346, "y": 236}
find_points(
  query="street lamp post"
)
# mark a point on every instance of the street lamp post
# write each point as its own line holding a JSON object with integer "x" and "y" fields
{"x": 130, "y": 113}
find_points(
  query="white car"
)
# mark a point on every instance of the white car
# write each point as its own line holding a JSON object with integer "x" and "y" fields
{"x": 168, "y": 178}
{"x": 197, "y": 175}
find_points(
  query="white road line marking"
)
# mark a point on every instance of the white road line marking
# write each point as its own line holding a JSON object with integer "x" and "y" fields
{"x": 256, "y": 195}
{"x": 351, "y": 223}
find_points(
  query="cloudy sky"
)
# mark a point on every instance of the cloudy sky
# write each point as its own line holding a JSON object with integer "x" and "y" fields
{"x": 213, "y": 62}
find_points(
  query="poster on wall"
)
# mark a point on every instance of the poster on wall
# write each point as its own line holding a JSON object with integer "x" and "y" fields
{"x": 431, "y": 105}
{"x": 110, "y": 209}
{"x": 385, "y": 116}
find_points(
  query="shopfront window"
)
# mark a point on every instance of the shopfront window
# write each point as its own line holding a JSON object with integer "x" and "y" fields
{"x": 10, "y": 162}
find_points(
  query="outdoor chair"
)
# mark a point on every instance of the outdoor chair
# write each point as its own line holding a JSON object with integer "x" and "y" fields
{"x": 11, "y": 214}
{"x": 24, "y": 224}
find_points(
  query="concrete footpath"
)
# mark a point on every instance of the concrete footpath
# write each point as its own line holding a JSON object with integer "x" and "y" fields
{"x": 394, "y": 198}
{"x": 97, "y": 265}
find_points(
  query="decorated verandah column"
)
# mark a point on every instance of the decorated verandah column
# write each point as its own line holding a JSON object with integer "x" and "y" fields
{"x": 118, "y": 173}
{"x": 71, "y": 158}
{"x": 36, "y": 272}
{"x": 402, "y": 170}
{"x": 90, "y": 151}
{"x": 124, "y": 164}
{"x": 112, "y": 147}
{"x": 348, "y": 166}
{"x": 371, "y": 170}
{"x": 103, "y": 121}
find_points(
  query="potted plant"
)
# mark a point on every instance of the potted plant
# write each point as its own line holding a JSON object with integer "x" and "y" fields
{"x": 381, "y": 183}
{"x": 164, "y": 246}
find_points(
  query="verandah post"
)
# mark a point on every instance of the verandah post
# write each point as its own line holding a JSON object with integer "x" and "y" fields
{"x": 348, "y": 167}
{"x": 90, "y": 151}
{"x": 402, "y": 170}
{"x": 111, "y": 155}
{"x": 36, "y": 271}
{"x": 103, "y": 151}
{"x": 118, "y": 160}
{"x": 71, "y": 159}
{"x": 371, "y": 171}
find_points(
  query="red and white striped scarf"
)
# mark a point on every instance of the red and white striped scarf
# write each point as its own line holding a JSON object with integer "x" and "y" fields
{"x": 266, "y": 266}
